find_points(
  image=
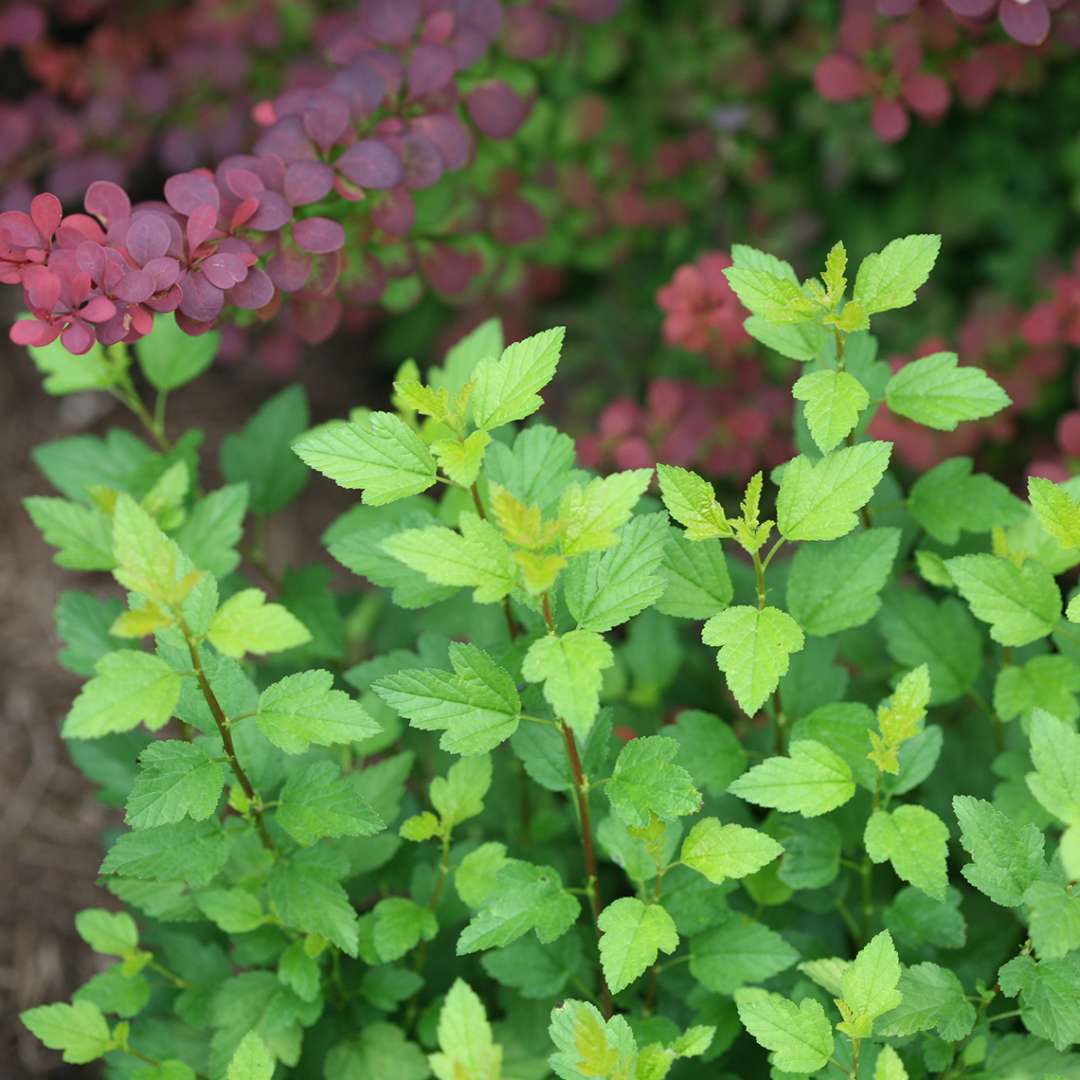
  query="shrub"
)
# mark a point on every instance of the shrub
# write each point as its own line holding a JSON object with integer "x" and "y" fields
{"x": 495, "y": 812}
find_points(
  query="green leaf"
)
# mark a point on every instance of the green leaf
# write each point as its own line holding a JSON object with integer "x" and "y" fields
{"x": 698, "y": 584}
{"x": 588, "y": 1046}
{"x": 148, "y": 562}
{"x": 915, "y": 840}
{"x": 1049, "y": 996}
{"x": 632, "y": 934}
{"x": 571, "y": 668}
{"x": 461, "y": 460}
{"x": 317, "y": 801}
{"x": 691, "y": 501}
{"x": 819, "y": 501}
{"x": 1044, "y": 682}
{"x": 594, "y": 512}
{"x": 112, "y": 991}
{"x": 476, "y": 706}
{"x": 949, "y": 500}
{"x": 66, "y": 373}
{"x": 776, "y": 299}
{"x": 797, "y": 342}
{"x": 107, "y": 932}
{"x": 191, "y": 851}
{"x": 400, "y": 925}
{"x": 236, "y": 911}
{"x": 726, "y": 851}
{"x": 836, "y": 586}
{"x": 246, "y": 623}
{"x": 799, "y": 1036}
{"x": 303, "y": 710}
{"x": 888, "y": 278}
{"x": 81, "y": 534}
{"x": 869, "y": 986}
{"x": 508, "y": 389}
{"x": 889, "y": 1065}
{"x": 477, "y": 557}
{"x": 261, "y": 455}
{"x": 79, "y": 1030}
{"x": 536, "y": 971}
{"x": 212, "y": 530}
{"x": 1020, "y": 603}
{"x": 932, "y": 997}
{"x": 916, "y": 920}
{"x": 1055, "y": 753}
{"x": 380, "y": 454}
{"x": 936, "y": 393}
{"x": 834, "y": 400}
{"x": 525, "y": 897}
{"x": 378, "y": 1049}
{"x": 175, "y": 780}
{"x": 1058, "y": 512}
{"x": 130, "y": 688}
{"x": 813, "y": 780}
{"x": 1007, "y": 856}
{"x": 535, "y": 468}
{"x": 252, "y": 1061}
{"x": 646, "y": 781}
{"x": 708, "y": 749}
{"x": 468, "y": 1048}
{"x": 755, "y": 645}
{"x": 605, "y": 589}
{"x": 309, "y": 899}
{"x": 83, "y": 622}
{"x": 1053, "y": 918}
{"x": 460, "y": 794}
{"x": 169, "y": 357}
{"x": 737, "y": 952}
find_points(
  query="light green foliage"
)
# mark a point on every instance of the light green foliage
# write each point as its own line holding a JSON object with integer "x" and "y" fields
{"x": 813, "y": 780}
{"x": 400, "y": 924}
{"x": 1021, "y": 603}
{"x": 834, "y": 400}
{"x": 915, "y": 840}
{"x": 819, "y": 500}
{"x": 889, "y": 1065}
{"x": 130, "y": 688}
{"x": 691, "y": 501}
{"x": 306, "y": 897}
{"x": 380, "y": 454}
{"x": 936, "y": 393}
{"x": 170, "y": 358}
{"x": 460, "y": 794}
{"x": 632, "y": 936}
{"x": 175, "y": 780}
{"x": 593, "y": 512}
{"x": 1055, "y": 753}
{"x": 191, "y": 851}
{"x": 235, "y": 911}
{"x": 78, "y": 1029}
{"x": 589, "y": 1046}
{"x": 571, "y": 667}
{"x": 738, "y": 951}
{"x": 719, "y": 851}
{"x": 1044, "y": 682}
{"x": 949, "y": 499}
{"x": 467, "y": 1046}
{"x": 799, "y": 1036}
{"x": 303, "y": 710}
{"x": 68, "y": 374}
{"x": 461, "y": 460}
{"x": 1006, "y": 856}
{"x": 755, "y": 646}
{"x": 316, "y": 802}
{"x": 888, "y": 278}
{"x": 900, "y": 719}
{"x": 931, "y": 998}
{"x": 1049, "y": 993}
{"x": 1058, "y": 512}
{"x": 251, "y": 1061}
{"x": 508, "y": 389}
{"x": 147, "y": 561}
{"x": 81, "y": 534}
{"x": 698, "y": 583}
{"x": 646, "y": 781}
{"x": 379, "y": 1049}
{"x": 246, "y": 623}
{"x": 107, "y": 932}
{"x": 868, "y": 986}
{"x": 768, "y": 287}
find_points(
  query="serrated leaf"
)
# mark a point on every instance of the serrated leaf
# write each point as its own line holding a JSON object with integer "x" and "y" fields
{"x": 719, "y": 851}
{"x": 1020, "y": 603}
{"x": 380, "y": 454}
{"x": 803, "y": 341}
{"x": 400, "y": 925}
{"x": 834, "y": 401}
{"x": 1049, "y": 996}
{"x": 888, "y": 278}
{"x": 461, "y": 460}
{"x": 460, "y": 794}
{"x": 775, "y": 299}
{"x": 571, "y": 668}
{"x": 754, "y": 649}
{"x": 1007, "y": 856}
{"x": 303, "y": 710}
{"x": 813, "y": 780}
{"x": 798, "y": 1036}
{"x": 1055, "y": 753}
{"x": 81, "y": 534}
{"x": 737, "y": 952}
{"x": 213, "y": 528}
{"x": 949, "y": 500}
{"x": 66, "y": 373}
{"x": 107, "y": 932}
{"x": 251, "y": 1061}
{"x": 169, "y": 357}
{"x": 468, "y": 1050}
{"x": 632, "y": 935}
{"x": 191, "y": 851}
{"x": 508, "y": 389}
{"x": 247, "y": 623}
{"x": 130, "y": 688}
{"x": 936, "y": 393}
{"x": 1044, "y": 682}
{"x": 378, "y": 1049}
{"x": 148, "y": 562}
{"x": 309, "y": 899}
{"x": 1058, "y": 512}
{"x": 819, "y": 501}
{"x": 915, "y": 840}
{"x": 646, "y": 781}
{"x": 868, "y": 986}
{"x": 589, "y": 1046}
{"x": 932, "y": 998}
{"x": 175, "y": 780}
{"x": 78, "y": 1029}
{"x": 698, "y": 583}
{"x": 1053, "y": 918}
{"x": 692, "y": 502}
{"x": 317, "y": 801}
{"x": 595, "y": 511}
{"x": 236, "y": 911}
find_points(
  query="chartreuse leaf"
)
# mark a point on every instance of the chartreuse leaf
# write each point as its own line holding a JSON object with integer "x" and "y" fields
{"x": 755, "y": 645}
{"x": 175, "y": 780}
{"x": 379, "y": 453}
{"x": 836, "y": 586}
{"x": 460, "y": 794}
{"x": 803, "y": 341}
{"x": 888, "y": 278}
{"x": 476, "y": 705}
{"x": 900, "y": 719}
{"x": 246, "y": 623}
{"x": 81, "y": 534}
{"x": 819, "y": 501}
{"x": 799, "y": 1037}
{"x": 303, "y": 710}
{"x": 868, "y": 986}
{"x": 834, "y": 400}
{"x": 936, "y": 393}
{"x": 692, "y": 502}
{"x": 719, "y": 851}
{"x": 251, "y": 1061}
{"x": 813, "y": 780}
{"x": 1020, "y": 603}
{"x": 1007, "y": 856}
{"x": 646, "y": 781}
{"x": 1049, "y": 993}
{"x": 130, "y": 688}
{"x": 593, "y": 512}
{"x": 78, "y": 1029}
{"x": 107, "y": 932}
{"x": 915, "y": 840}
{"x": 932, "y": 997}
{"x": 768, "y": 287}
{"x": 571, "y": 668}
{"x": 147, "y": 561}
{"x": 632, "y": 936}
{"x": 508, "y": 389}
{"x": 66, "y": 373}
{"x": 468, "y": 1050}
{"x": 588, "y": 1046}
{"x": 317, "y": 801}
{"x": 477, "y": 557}
{"x": 461, "y": 459}
{"x": 1055, "y": 753}
{"x": 1058, "y": 512}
